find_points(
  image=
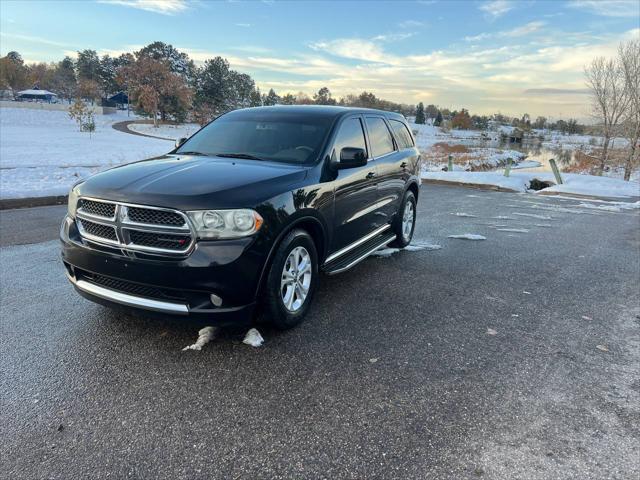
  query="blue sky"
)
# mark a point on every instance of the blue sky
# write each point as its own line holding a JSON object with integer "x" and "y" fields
{"x": 488, "y": 56}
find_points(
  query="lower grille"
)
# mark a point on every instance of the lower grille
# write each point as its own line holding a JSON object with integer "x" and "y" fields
{"x": 132, "y": 288}
{"x": 98, "y": 230}
{"x": 164, "y": 241}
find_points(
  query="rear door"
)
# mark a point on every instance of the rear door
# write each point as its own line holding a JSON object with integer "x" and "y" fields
{"x": 356, "y": 192}
{"x": 389, "y": 161}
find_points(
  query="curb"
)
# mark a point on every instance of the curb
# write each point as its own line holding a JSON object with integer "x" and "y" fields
{"x": 478, "y": 186}
{"x": 11, "y": 203}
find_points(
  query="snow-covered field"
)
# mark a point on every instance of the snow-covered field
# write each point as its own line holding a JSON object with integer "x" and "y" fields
{"x": 42, "y": 152}
{"x": 170, "y": 132}
{"x": 520, "y": 182}
{"x": 474, "y": 150}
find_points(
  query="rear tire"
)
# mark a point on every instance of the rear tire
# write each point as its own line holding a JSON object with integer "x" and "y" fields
{"x": 292, "y": 280}
{"x": 405, "y": 222}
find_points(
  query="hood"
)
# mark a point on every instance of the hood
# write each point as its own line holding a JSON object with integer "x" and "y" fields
{"x": 194, "y": 182}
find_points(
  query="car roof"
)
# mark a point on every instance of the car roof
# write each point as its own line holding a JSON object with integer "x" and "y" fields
{"x": 331, "y": 111}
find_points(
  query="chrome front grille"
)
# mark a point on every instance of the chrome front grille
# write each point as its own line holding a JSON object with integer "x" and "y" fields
{"x": 134, "y": 227}
{"x": 97, "y": 208}
{"x": 155, "y": 217}
{"x": 97, "y": 230}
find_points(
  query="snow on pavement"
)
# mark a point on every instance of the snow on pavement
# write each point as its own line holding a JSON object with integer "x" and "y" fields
{"x": 532, "y": 215}
{"x": 468, "y": 236}
{"x": 42, "y": 152}
{"x": 520, "y": 182}
{"x": 613, "y": 206}
{"x": 205, "y": 335}
{"x": 416, "y": 246}
{"x": 253, "y": 338}
{"x": 514, "y": 230}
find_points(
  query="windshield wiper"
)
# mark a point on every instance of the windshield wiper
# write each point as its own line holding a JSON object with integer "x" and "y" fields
{"x": 238, "y": 155}
{"x": 191, "y": 153}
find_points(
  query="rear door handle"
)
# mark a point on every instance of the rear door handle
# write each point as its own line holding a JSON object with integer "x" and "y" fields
{"x": 370, "y": 175}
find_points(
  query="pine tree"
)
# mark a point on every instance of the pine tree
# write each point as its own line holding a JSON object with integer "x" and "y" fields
{"x": 438, "y": 121}
{"x": 420, "y": 114}
{"x": 323, "y": 97}
{"x": 271, "y": 98}
{"x": 107, "y": 75}
{"x": 178, "y": 62}
{"x": 64, "y": 79}
{"x": 256, "y": 98}
{"x": 213, "y": 85}
{"x": 88, "y": 65}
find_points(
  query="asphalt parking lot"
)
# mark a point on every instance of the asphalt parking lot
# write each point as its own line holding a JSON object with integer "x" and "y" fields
{"x": 513, "y": 357}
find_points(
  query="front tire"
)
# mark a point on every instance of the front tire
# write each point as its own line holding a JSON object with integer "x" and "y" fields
{"x": 292, "y": 280}
{"x": 405, "y": 222}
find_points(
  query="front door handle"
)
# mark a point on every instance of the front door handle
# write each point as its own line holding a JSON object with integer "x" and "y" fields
{"x": 370, "y": 175}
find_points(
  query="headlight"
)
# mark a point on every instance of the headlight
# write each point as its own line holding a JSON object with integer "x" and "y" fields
{"x": 72, "y": 202}
{"x": 225, "y": 223}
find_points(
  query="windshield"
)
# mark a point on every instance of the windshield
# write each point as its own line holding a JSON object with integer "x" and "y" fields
{"x": 277, "y": 137}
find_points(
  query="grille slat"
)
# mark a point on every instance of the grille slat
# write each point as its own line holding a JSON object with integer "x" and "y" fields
{"x": 155, "y": 217}
{"x": 100, "y": 209}
{"x": 98, "y": 230}
{"x": 159, "y": 240}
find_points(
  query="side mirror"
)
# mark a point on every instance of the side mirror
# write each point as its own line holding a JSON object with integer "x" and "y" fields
{"x": 352, "y": 157}
{"x": 180, "y": 141}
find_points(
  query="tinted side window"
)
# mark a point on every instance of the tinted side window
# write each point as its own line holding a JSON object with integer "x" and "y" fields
{"x": 350, "y": 135}
{"x": 379, "y": 136}
{"x": 402, "y": 134}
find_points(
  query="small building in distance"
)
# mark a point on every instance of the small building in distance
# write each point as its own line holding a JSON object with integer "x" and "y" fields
{"x": 37, "y": 95}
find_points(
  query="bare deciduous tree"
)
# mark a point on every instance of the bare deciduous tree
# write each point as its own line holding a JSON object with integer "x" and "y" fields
{"x": 629, "y": 56}
{"x": 605, "y": 79}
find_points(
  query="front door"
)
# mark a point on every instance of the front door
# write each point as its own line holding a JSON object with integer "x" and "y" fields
{"x": 356, "y": 195}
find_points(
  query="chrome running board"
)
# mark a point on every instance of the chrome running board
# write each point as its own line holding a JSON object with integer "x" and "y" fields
{"x": 356, "y": 244}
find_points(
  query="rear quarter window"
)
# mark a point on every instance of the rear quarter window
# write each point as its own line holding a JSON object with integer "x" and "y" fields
{"x": 379, "y": 136}
{"x": 403, "y": 136}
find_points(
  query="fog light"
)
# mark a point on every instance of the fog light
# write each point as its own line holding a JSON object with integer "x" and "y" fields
{"x": 216, "y": 300}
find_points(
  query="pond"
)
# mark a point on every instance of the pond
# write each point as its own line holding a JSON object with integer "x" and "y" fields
{"x": 542, "y": 154}
{"x": 534, "y": 150}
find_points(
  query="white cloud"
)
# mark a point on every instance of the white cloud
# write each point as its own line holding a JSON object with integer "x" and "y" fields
{"x": 243, "y": 25}
{"x": 393, "y": 37}
{"x": 34, "y": 39}
{"x": 497, "y": 8}
{"x": 354, "y": 48}
{"x": 522, "y": 31}
{"x": 411, "y": 24}
{"x": 608, "y": 8}
{"x": 165, "y": 7}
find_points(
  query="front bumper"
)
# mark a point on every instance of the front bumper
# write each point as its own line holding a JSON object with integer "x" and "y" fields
{"x": 171, "y": 286}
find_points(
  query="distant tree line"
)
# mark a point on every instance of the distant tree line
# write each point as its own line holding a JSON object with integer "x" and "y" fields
{"x": 463, "y": 120}
{"x": 164, "y": 83}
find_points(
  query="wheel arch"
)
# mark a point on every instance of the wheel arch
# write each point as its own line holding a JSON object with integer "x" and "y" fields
{"x": 414, "y": 188}
{"x": 313, "y": 226}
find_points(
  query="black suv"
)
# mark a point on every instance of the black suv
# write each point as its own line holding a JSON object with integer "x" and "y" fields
{"x": 246, "y": 212}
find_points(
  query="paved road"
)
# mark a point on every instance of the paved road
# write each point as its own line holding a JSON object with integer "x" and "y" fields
{"x": 124, "y": 128}
{"x": 478, "y": 360}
